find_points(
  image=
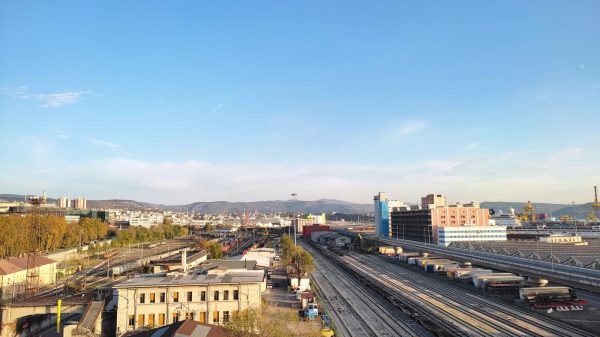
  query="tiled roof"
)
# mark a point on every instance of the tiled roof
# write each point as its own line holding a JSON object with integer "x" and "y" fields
{"x": 16, "y": 264}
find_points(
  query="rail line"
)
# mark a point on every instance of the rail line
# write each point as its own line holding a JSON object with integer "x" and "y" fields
{"x": 484, "y": 317}
{"x": 360, "y": 310}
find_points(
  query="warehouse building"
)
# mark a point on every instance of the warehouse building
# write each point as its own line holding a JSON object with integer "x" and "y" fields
{"x": 13, "y": 274}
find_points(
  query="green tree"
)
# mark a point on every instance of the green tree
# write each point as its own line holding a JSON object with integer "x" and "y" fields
{"x": 208, "y": 227}
{"x": 216, "y": 251}
{"x": 302, "y": 262}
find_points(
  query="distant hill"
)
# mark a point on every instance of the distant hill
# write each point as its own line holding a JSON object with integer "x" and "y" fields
{"x": 215, "y": 207}
{"x": 581, "y": 210}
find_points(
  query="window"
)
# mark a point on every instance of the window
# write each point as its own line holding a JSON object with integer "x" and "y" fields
{"x": 188, "y": 315}
{"x": 215, "y": 317}
{"x": 162, "y": 297}
{"x": 161, "y": 319}
{"x": 203, "y": 296}
{"x": 151, "y": 320}
{"x": 236, "y": 295}
{"x": 226, "y": 295}
{"x": 152, "y": 298}
{"x": 141, "y": 321}
{"x": 175, "y": 317}
{"x": 189, "y": 296}
{"x": 216, "y": 298}
{"x": 131, "y": 320}
{"x": 142, "y": 298}
{"x": 176, "y": 296}
{"x": 225, "y": 316}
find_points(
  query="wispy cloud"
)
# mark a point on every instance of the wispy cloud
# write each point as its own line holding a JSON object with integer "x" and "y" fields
{"x": 217, "y": 108}
{"x": 407, "y": 128}
{"x": 104, "y": 143}
{"x": 51, "y": 100}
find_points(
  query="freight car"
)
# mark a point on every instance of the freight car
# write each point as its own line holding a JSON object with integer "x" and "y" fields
{"x": 543, "y": 295}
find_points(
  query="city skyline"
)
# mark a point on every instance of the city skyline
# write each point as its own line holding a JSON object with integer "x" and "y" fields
{"x": 177, "y": 103}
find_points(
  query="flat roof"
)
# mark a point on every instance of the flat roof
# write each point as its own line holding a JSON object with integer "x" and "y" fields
{"x": 250, "y": 276}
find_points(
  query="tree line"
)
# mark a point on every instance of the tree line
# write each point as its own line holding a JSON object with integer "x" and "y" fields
{"x": 137, "y": 234}
{"x": 18, "y": 237}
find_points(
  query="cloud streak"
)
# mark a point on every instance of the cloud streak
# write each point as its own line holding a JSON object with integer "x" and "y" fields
{"x": 51, "y": 100}
{"x": 103, "y": 143}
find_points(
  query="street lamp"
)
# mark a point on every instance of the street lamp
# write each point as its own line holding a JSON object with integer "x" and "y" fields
{"x": 293, "y": 217}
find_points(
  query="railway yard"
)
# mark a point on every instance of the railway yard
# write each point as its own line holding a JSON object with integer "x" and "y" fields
{"x": 443, "y": 308}
{"x": 358, "y": 310}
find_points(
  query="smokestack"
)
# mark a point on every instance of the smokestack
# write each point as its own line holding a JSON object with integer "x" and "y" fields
{"x": 184, "y": 261}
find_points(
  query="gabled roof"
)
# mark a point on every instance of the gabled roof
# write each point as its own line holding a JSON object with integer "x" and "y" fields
{"x": 16, "y": 264}
{"x": 186, "y": 328}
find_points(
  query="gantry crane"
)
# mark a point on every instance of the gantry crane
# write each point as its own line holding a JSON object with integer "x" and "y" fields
{"x": 593, "y": 216}
{"x": 529, "y": 210}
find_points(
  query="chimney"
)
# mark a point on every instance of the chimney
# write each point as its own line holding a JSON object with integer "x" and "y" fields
{"x": 184, "y": 261}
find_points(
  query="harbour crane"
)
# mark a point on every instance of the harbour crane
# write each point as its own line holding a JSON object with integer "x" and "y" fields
{"x": 529, "y": 210}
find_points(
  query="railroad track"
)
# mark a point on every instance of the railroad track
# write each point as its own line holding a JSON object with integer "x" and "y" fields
{"x": 483, "y": 316}
{"x": 358, "y": 309}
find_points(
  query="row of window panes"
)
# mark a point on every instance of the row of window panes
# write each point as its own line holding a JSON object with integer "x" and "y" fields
{"x": 141, "y": 321}
{"x": 162, "y": 296}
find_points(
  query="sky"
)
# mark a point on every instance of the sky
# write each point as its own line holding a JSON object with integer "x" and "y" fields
{"x": 181, "y": 101}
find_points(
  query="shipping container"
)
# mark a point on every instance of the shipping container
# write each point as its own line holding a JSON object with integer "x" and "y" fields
{"x": 456, "y": 273}
{"x": 404, "y": 256}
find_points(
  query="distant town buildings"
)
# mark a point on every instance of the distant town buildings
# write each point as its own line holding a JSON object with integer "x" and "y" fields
{"x": 63, "y": 202}
{"x": 79, "y": 203}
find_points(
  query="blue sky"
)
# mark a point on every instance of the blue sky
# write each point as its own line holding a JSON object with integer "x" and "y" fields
{"x": 176, "y": 102}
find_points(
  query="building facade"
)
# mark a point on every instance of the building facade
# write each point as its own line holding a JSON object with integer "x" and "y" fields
{"x": 79, "y": 203}
{"x": 63, "y": 202}
{"x": 146, "y": 302}
{"x": 447, "y": 235}
{"x": 422, "y": 222}
{"x": 383, "y": 209}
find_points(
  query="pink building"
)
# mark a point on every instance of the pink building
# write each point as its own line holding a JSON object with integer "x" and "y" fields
{"x": 467, "y": 215}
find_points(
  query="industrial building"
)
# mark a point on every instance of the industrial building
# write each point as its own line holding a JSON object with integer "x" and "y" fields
{"x": 447, "y": 235}
{"x": 14, "y": 271}
{"x": 426, "y": 222}
{"x": 148, "y": 301}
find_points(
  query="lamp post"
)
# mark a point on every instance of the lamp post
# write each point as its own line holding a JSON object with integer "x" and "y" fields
{"x": 293, "y": 216}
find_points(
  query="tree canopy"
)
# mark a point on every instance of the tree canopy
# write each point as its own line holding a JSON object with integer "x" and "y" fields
{"x": 16, "y": 234}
